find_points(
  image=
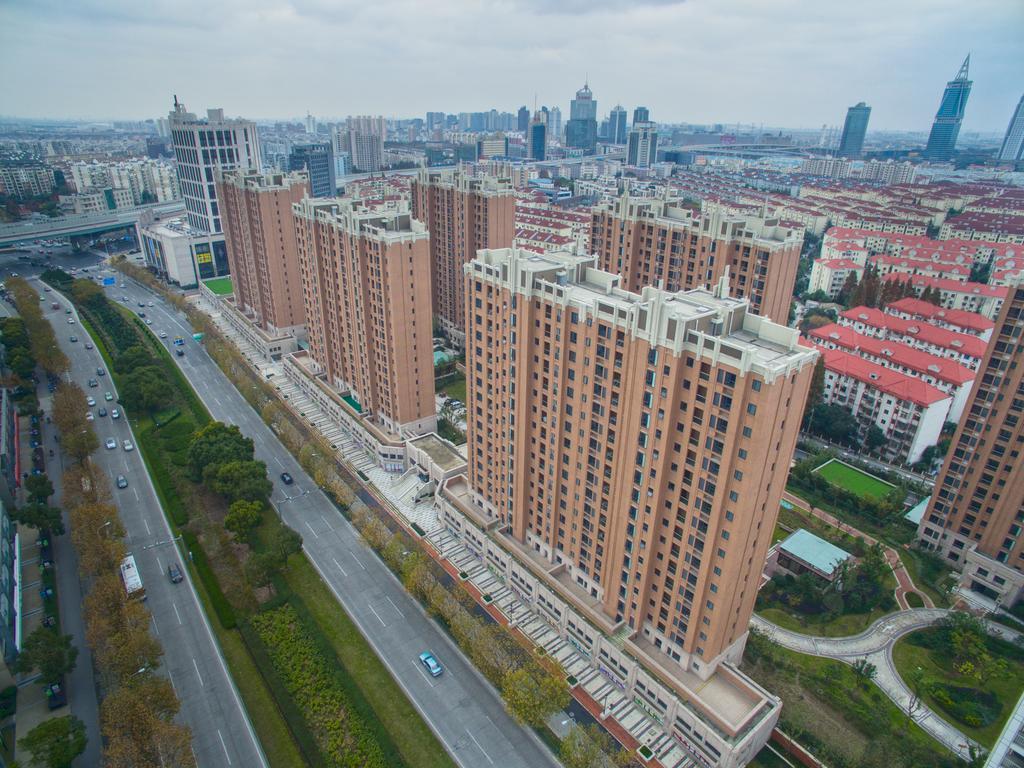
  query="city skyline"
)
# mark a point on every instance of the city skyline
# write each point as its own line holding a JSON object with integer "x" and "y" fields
{"x": 904, "y": 58}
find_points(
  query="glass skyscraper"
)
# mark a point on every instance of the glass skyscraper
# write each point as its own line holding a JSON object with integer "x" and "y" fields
{"x": 1012, "y": 149}
{"x": 852, "y": 142}
{"x": 318, "y": 161}
{"x": 946, "y": 128}
{"x": 581, "y": 130}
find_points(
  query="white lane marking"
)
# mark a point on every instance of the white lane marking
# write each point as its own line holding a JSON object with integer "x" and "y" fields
{"x": 197, "y": 672}
{"x": 136, "y": 492}
{"x": 159, "y": 564}
{"x": 145, "y": 522}
{"x": 424, "y": 673}
{"x": 339, "y": 567}
{"x": 225, "y": 746}
{"x": 279, "y": 462}
{"x": 170, "y": 676}
{"x": 155, "y": 628}
{"x": 315, "y": 534}
{"x": 397, "y": 609}
{"x": 326, "y": 523}
{"x": 175, "y": 606}
{"x": 479, "y": 747}
{"x": 377, "y": 615}
{"x": 357, "y": 560}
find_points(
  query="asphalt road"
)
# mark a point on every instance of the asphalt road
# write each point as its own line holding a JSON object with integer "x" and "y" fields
{"x": 461, "y": 707}
{"x": 210, "y": 705}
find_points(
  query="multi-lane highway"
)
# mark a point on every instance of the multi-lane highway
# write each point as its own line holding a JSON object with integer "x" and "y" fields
{"x": 221, "y": 732}
{"x": 462, "y": 709}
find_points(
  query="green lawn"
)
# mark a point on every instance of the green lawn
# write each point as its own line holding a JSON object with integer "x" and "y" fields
{"x": 455, "y": 387}
{"x": 840, "y": 626}
{"x": 928, "y": 573}
{"x": 854, "y": 480}
{"x": 219, "y": 285}
{"x": 938, "y": 666}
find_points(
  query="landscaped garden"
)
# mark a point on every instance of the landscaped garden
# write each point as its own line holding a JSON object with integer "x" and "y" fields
{"x": 219, "y": 285}
{"x": 854, "y": 480}
{"x": 966, "y": 676}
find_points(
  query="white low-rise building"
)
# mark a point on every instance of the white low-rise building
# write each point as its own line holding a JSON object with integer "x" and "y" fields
{"x": 830, "y": 275}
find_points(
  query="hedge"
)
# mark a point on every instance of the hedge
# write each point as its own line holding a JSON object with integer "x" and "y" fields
{"x": 221, "y": 606}
{"x": 344, "y": 738}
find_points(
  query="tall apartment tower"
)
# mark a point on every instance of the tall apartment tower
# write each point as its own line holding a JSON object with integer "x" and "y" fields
{"x": 976, "y": 513}
{"x": 363, "y": 270}
{"x": 463, "y": 214}
{"x": 642, "y": 150}
{"x": 363, "y": 138}
{"x": 1012, "y": 149}
{"x": 581, "y": 130}
{"x": 259, "y": 230}
{"x": 946, "y": 128}
{"x": 854, "y": 129}
{"x": 317, "y": 160}
{"x": 201, "y": 148}
{"x": 634, "y": 445}
{"x": 659, "y": 242}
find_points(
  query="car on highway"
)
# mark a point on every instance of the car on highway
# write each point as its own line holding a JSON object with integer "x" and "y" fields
{"x": 93, "y": 383}
{"x": 46, "y": 289}
{"x": 107, "y": 396}
{"x": 128, "y": 445}
{"x": 286, "y": 478}
{"x": 91, "y": 401}
{"x": 122, "y": 481}
{"x": 174, "y": 573}
{"x": 115, "y": 414}
{"x": 111, "y": 443}
{"x": 179, "y": 352}
{"x": 89, "y": 416}
{"x": 428, "y": 660}
{"x": 67, "y": 311}
{"x": 149, "y": 322}
{"x": 88, "y": 345}
{"x": 100, "y": 372}
{"x": 163, "y": 334}
{"x": 71, "y": 321}
{"x": 101, "y": 412}
{"x": 73, "y": 339}
{"x": 142, "y": 303}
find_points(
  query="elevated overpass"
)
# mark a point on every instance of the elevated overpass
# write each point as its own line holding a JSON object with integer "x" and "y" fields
{"x": 82, "y": 224}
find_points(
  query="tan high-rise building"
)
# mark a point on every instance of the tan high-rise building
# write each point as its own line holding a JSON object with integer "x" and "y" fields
{"x": 976, "y": 513}
{"x": 660, "y": 242}
{"x": 259, "y": 229}
{"x": 464, "y": 214}
{"x": 366, "y": 281}
{"x": 636, "y": 445}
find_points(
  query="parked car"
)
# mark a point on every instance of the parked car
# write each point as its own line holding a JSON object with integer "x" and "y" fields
{"x": 56, "y": 696}
{"x": 431, "y": 663}
{"x": 174, "y": 573}
{"x": 122, "y": 481}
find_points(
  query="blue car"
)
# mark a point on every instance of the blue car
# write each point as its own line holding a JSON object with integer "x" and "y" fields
{"x": 433, "y": 665}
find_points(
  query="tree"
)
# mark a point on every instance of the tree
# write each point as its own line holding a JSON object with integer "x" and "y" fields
{"x": 81, "y": 443}
{"x": 285, "y": 542}
{"x": 835, "y": 423}
{"x": 38, "y": 488}
{"x": 133, "y": 358}
{"x": 916, "y": 681}
{"x": 848, "y": 290}
{"x": 591, "y": 747}
{"x": 146, "y": 388}
{"x": 49, "y": 652}
{"x": 532, "y": 697}
{"x": 241, "y": 480}
{"x": 56, "y": 742}
{"x": 243, "y": 516}
{"x": 260, "y": 568}
{"x": 816, "y": 391}
{"x": 875, "y": 438}
{"x": 137, "y": 724}
{"x": 865, "y": 670}
{"x": 41, "y": 517}
{"x": 216, "y": 444}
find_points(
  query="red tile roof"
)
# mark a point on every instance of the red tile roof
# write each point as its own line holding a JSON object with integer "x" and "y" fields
{"x": 839, "y": 264}
{"x": 894, "y": 383}
{"x": 928, "y": 311}
{"x": 953, "y": 286}
{"x": 962, "y": 343}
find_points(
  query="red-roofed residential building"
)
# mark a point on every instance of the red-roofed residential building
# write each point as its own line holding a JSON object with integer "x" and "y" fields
{"x": 970, "y": 297}
{"x": 909, "y": 412}
{"x": 830, "y": 275}
{"x": 982, "y": 225}
{"x": 942, "y": 373}
{"x": 961, "y": 347}
{"x": 900, "y": 265}
{"x": 956, "y": 320}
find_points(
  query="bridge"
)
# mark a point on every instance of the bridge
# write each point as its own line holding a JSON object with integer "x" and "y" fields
{"x": 82, "y": 224}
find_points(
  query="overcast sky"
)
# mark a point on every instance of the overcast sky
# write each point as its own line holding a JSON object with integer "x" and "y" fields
{"x": 779, "y": 62}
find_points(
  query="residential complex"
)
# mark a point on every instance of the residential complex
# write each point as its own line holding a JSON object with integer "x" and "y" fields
{"x": 363, "y": 139}
{"x": 661, "y": 242}
{"x": 463, "y": 214}
{"x": 976, "y": 511}
{"x": 146, "y": 181}
{"x": 24, "y": 180}
{"x": 367, "y": 307}
{"x": 259, "y": 229}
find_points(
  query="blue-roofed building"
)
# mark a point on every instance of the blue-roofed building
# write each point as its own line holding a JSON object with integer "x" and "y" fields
{"x": 917, "y": 511}
{"x": 802, "y": 552}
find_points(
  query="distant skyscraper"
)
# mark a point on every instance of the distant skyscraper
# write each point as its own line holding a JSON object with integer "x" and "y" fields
{"x": 946, "y": 128}
{"x": 435, "y": 120}
{"x": 1013, "y": 144}
{"x": 641, "y": 115}
{"x": 581, "y": 130}
{"x": 310, "y": 123}
{"x": 317, "y": 160}
{"x": 536, "y": 143}
{"x": 617, "y": 125}
{"x": 643, "y": 145}
{"x": 364, "y": 141}
{"x": 852, "y": 142}
{"x": 555, "y": 124}
{"x": 523, "y": 119}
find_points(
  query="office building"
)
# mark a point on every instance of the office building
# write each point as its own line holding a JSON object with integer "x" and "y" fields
{"x": 660, "y": 242}
{"x": 621, "y": 440}
{"x": 641, "y": 115}
{"x": 201, "y": 148}
{"x": 581, "y": 130}
{"x": 435, "y": 120}
{"x": 463, "y": 214}
{"x": 492, "y": 146}
{"x": 317, "y": 161}
{"x": 617, "y": 133}
{"x": 1012, "y": 149}
{"x": 854, "y": 129}
{"x": 368, "y": 318}
{"x": 946, "y": 128}
{"x": 642, "y": 151}
{"x": 259, "y": 229}
{"x": 555, "y": 124}
{"x": 976, "y": 512}
{"x": 536, "y": 139}
{"x": 310, "y": 123}
{"x": 522, "y": 119}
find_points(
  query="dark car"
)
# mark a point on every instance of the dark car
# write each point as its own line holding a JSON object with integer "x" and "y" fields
{"x": 174, "y": 573}
{"x": 286, "y": 478}
{"x": 56, "y": 696}
{"x": 122, "y": 481}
